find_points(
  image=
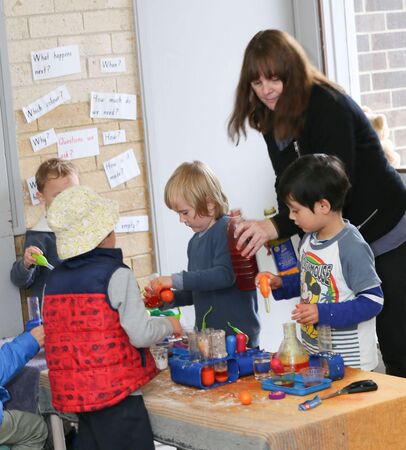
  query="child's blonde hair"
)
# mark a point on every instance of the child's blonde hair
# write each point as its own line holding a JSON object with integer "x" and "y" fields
{"x": 197, "y": 184}
{"x": 53, "y": 168}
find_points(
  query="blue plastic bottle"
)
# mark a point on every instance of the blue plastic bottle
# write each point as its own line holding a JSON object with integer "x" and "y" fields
{"x": 282, "y": 251}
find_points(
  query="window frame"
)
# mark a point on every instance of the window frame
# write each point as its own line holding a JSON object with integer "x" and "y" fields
{"x": 9, "y": 135}
{"x": 340, "y": 45}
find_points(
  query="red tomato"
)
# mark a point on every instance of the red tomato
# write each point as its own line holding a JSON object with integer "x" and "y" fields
{"x": 276, "y": 365}
{"x": 166, "y": 295}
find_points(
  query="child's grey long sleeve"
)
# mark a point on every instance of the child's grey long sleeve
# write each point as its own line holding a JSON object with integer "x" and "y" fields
{"x": 125, "y": 297}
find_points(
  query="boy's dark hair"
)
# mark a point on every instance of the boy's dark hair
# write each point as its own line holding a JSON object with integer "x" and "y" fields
{"x": 314, "y": 177}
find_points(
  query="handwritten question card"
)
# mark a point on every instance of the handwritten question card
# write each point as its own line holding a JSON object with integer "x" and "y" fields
{"x": 78, "y": 144}
{"x": 46, "y": 103}
{"x": 121, "y": 168}
{"x": 131, "y": 224}
{"x": 43, "y": 140}
{"x": 110, "y": 65}
{"x": 55, "y": 62}
{"x": 32, "y": 189}
{"x": 113, "y": 137}
{"x": 113, "y": 106}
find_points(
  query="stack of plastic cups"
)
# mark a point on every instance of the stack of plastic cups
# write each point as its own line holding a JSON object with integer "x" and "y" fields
{"x": 324, "y": 338}
{"x": 193, "y": 347}
{"x": 204, "y": 343}
{"x": 219, "y": 351}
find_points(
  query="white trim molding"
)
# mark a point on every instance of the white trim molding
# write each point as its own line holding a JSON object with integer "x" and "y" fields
{"x": 340, "y": 44}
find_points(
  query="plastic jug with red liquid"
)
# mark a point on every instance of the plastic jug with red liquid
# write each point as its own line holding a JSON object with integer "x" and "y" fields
{"x": 245, "y": 269}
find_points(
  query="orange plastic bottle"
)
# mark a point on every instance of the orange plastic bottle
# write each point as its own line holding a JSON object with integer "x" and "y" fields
{"x": 265, "y": 290}
{"x": 245, "y": 269}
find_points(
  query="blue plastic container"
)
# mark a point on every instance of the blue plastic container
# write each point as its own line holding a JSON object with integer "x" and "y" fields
{"x": 332, "y": 362}
{"x": 187, "y": 372}
{"x": 298, "y": 388}
{"x": 245, "y": 361}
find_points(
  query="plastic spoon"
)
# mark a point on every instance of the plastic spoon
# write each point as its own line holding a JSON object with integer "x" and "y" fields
{"x": 42, "y": 261}
{"x": 353, "y": 388}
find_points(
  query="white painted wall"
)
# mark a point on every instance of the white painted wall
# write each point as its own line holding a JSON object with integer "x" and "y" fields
{"x": 191, "y": 54}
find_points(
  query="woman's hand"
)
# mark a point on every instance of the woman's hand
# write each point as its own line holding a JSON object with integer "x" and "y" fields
{"x": 253, "y": 234}
{"x": 159, "y": 283}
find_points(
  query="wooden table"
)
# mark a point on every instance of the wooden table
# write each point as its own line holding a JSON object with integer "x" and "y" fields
{"x": 213, "y": 419}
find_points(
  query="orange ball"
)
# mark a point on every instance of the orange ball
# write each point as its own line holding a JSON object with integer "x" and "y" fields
{"x": 245, "y": 398}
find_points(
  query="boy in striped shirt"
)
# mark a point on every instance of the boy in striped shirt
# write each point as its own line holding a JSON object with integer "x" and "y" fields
{"x": 337, "y": 284}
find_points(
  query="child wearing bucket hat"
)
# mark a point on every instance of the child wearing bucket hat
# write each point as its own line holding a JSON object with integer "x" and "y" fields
{"x": 97, "y": 329}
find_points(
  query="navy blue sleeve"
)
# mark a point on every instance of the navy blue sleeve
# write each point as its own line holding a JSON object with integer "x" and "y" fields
{"x": 182, "y": 298}
{"x": 366, "y": 305}
{"x": 20, "y": 276}
{"x": 290, "y": 287}
{"x": 219, "y": 273}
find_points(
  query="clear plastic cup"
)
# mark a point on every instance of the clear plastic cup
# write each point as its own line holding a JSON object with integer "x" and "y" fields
{"x": 160, "y": 354}
{"x": 193, "y": 347}
{"x": 34, "y": 312}
{"x": 312, "y": 375}
{"x": 262, "y": 366}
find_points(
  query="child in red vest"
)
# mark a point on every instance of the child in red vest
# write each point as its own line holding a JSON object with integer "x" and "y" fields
{"x": 97, "y": 329}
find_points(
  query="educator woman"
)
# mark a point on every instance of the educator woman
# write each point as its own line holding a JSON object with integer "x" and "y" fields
{"x": 299, "y": 111}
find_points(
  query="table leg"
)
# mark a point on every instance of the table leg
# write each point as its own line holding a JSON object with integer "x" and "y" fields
{"x": 58, "y": 434}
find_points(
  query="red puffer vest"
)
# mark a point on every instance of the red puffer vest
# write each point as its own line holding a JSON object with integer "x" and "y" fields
{"x": 92, "y": 364}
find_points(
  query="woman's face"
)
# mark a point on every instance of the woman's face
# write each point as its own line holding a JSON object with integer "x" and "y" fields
{"x": 268, "y": 90}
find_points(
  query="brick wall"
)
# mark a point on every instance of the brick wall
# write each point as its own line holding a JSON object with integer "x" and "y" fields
{"x": 101, "y": 28}
{"x": 381, "y": 41}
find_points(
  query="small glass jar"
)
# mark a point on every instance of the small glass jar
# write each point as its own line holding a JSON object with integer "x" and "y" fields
{"x": 221, "y": 371}
{"x": 262, "y": 366}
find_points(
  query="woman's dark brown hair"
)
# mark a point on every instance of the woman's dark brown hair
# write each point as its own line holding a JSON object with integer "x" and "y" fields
{"x": 274, "y": 53}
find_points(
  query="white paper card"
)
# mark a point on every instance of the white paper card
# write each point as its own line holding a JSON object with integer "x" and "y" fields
{"x": 131, "y": 224}
{"x": 113, "y": 137}
{"x": 46, "y": 103}
{"x": 110, "y": 65}
{"x": 42, "y": 140}
{"x": 55, "y": 62}
{"x": 121, "y": 168}
{"x": 32, "y": 188}
{"x": 78, "y": 144}
{"x": 113, "y": 106}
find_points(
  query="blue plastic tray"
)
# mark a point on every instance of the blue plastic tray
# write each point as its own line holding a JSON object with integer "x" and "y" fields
{"x": 298, "y": 388}
{"x": 185, "y": 371}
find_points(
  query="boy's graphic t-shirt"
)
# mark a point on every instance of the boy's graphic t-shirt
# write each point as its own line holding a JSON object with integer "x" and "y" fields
{"x": 336, "y": 271}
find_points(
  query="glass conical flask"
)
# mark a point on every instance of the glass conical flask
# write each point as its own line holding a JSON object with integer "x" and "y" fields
{"x": 292, "y": 353}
